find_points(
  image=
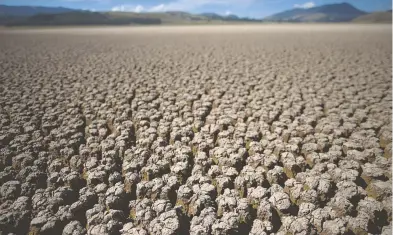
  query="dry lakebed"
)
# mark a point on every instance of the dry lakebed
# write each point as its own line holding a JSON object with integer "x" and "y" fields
{"x": 226, "y": 130}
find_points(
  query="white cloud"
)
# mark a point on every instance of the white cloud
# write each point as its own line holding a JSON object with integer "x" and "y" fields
{"x": 227, "y": 13}
{"x": 305, "y": 5}
{"x": 189, "y": 5}
{"x": 161, "y": 7}
{"x": 139, "y": 8}
{"x": 128, "y": 8}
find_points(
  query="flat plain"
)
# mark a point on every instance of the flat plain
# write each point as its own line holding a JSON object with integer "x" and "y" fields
{"x": 246, "y": 129}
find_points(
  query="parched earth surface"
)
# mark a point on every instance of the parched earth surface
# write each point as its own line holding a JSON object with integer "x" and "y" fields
{"x": 273, "y": 129}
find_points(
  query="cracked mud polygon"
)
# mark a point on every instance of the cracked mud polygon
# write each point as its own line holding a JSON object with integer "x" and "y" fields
{"x": 272, "y": 129}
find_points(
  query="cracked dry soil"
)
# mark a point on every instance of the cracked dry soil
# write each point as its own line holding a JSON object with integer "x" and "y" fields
{"x": 273, "y": 129}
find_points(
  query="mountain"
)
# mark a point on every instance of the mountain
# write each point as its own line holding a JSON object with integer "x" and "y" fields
{"x": 44, "y": 16}
{"x": 80, "y": 18}
{"x": 120, "y": 18}
{"x": 212, "y": 16}
{"x": 232, "y": 17}
{"x": 107, "y": 18}
{"x": 172, "y": 17}
{"x": 179, "y": 17}
{"x": 341, "y": 12}
{"x": 18, "y": 11}
{"x": 37, "y": 15}
{"x": 12, "y": 14}
{"x": 215, "y": 16}
{"x": 375, "y": 17}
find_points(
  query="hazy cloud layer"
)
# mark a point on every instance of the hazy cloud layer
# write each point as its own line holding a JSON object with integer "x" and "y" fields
{"x": 129, "y": 8}
{"x": 305, "y": 5}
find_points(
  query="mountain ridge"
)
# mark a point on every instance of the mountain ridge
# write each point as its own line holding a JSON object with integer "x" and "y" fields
{"x": 375, "y": 17}
{"x": 337, "y": 12}
{"x": 41, "y": 16}
{"x": 6, "y": 10}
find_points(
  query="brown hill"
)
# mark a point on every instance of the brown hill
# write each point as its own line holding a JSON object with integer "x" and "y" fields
{"x": 375, "y": 17}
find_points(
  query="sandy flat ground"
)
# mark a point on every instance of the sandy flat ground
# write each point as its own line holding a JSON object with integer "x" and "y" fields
{"x": 206, "y": 29}
{"x": 246, "y": 129}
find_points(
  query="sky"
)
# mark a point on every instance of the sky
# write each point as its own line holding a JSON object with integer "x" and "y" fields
{"x": 244, "y": 8}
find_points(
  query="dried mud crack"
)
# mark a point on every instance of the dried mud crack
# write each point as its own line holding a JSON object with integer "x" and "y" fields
{"x": 196, "y": 130}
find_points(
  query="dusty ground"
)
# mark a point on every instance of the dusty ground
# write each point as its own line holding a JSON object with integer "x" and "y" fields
{"x": 281, "y": 129}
